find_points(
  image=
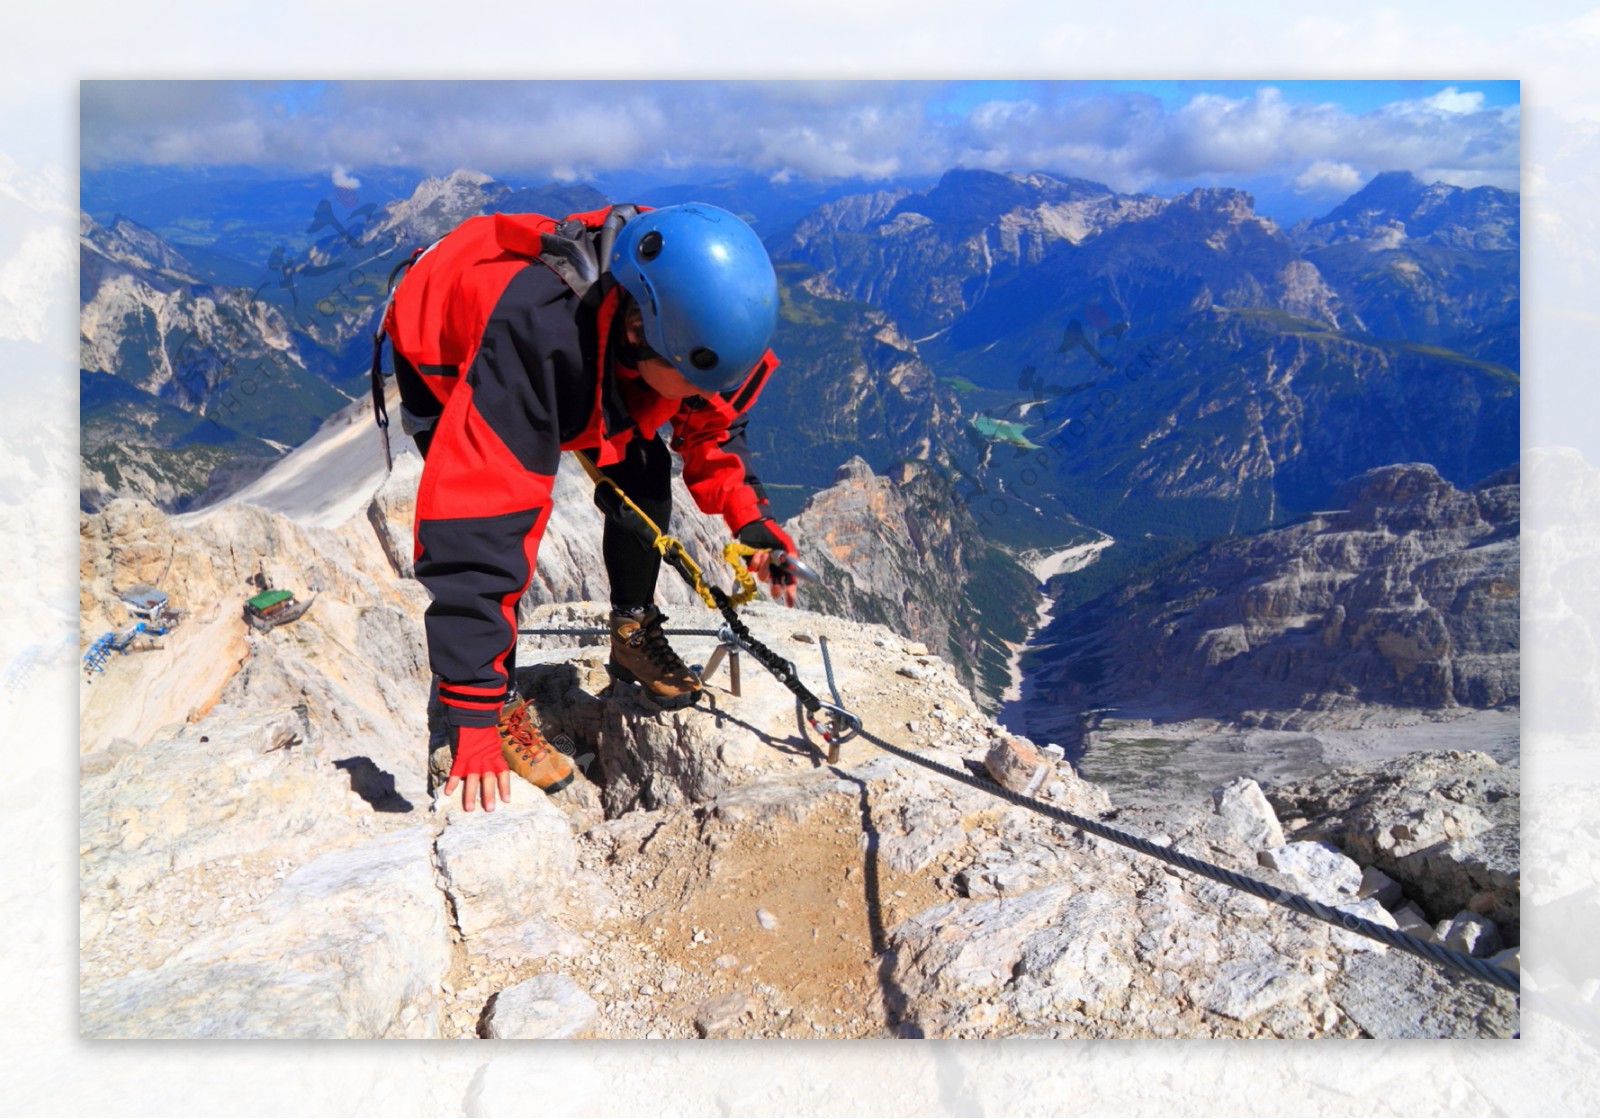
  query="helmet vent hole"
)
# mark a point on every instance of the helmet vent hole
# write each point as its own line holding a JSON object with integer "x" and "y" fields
{"x": 650, "y": 245}
{"x": 703, "y": 359}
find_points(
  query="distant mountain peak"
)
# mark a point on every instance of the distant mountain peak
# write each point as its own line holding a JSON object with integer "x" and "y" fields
{"x": 133, "y": 246}
{"x": 1393, "y": 191}
{"x": 1482, "y": 217}
{"x": 437, "y": 205}
{"x": 461, "y": 181}
{"x": 1238, "y": 205}
{"x": 464, "y": 175}
{"x": 968, "y": 195}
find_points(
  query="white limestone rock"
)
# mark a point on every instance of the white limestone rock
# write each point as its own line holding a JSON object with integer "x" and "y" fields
{"x": 1323, "y": 873}
{"x": 1242, "y": 803}
{"x": 546, "y": 1006}
{"x": 1249, "y": 988}
{"x": 340, "y": 950}
{"x": 502, "y": 867}
{"x": 1471, "y": 933}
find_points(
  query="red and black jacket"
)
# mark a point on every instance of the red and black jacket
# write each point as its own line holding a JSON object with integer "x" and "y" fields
{"x": 503, "y": 362}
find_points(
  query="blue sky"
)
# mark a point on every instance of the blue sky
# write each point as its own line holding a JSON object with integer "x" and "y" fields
{"x": 1353, "y": 96}
{"x": 1299, "y": 145}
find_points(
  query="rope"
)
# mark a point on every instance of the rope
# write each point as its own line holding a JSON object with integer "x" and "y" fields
{"x": 783, "y": 669}
{"x": 1438, "y": 954}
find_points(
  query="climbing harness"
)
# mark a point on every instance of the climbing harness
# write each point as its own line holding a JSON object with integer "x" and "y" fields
{"x": 845, "y": 725}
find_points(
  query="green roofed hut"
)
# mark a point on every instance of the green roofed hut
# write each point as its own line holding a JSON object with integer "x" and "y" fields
{"x": 274, "y": 608}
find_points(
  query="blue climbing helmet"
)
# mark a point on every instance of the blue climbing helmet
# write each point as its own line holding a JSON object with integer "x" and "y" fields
{"x": 705, "y": 288}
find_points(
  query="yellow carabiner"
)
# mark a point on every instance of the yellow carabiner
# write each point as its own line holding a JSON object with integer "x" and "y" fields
{"x": 673, "y": 551}
{"x": 733, "y": 554}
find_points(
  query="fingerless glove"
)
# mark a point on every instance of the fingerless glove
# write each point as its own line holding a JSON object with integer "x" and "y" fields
{"x": 478, "y": 751}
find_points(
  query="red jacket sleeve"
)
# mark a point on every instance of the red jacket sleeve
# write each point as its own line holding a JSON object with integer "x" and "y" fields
{"x": 709, "y": 433}
{"x": 484, "y": 497}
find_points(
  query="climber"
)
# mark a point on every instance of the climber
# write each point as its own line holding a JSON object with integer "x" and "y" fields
{"x": 518, "y": 336}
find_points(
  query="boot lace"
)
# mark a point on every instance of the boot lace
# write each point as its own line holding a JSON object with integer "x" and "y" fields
{"x": 525, "y": 737}
{"x": 654, "y": 642}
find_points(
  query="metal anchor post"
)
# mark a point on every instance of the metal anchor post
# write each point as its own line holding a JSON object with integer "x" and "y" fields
{"x": 729, "y": 649}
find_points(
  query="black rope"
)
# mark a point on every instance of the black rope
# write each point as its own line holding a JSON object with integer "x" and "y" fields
{"x": 783, "y": 669}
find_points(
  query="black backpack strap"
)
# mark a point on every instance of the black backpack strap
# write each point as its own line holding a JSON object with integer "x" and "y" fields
{"x": 615, "y": 220}
{"x": 579, "y": 255}
{"x": 380, "y": 411}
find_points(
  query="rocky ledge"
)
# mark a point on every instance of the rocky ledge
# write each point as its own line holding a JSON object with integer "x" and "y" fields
{"x": 710, "y": 876}
{"x": 261, "y": 855}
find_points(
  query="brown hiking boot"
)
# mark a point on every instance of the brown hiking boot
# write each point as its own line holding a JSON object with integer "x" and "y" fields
{"x": 640, "y": 654}
{"x": 528, "y": 754}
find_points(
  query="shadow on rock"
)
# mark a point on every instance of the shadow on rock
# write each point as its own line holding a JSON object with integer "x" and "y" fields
{"x": 373, "y": 785}
{"x": 894, "y": 996}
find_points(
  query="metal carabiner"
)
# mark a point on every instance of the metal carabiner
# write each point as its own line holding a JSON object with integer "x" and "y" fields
{"x": 726, "y": 635}
{"x": 846, "y": 725}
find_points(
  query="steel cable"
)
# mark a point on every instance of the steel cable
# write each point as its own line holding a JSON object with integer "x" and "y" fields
{"x": 1437, "y": 954}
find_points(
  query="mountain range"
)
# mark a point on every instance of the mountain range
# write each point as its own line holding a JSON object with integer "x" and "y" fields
{"x": 1066, "y": 359}
{"x": 1407, "y": 596}
{"x": 1185, "y": 362}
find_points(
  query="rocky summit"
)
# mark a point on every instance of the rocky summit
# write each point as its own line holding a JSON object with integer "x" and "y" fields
{"x": 261, "y": 855}
{"x": 902, "y": 549}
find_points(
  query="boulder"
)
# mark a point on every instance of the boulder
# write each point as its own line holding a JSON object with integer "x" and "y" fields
{"x": 546, "y": 1006}
{"x": 1368, "y": 909}
{"x": 1470, "y": 933}
{"x": 652, "y": 759}
{"x": 1018, "y": 765}
{"x": 1376, "y": 884}
{"x": 502, "y": 867}
{"x": 1410, "y": 919}
{"x": 1323, "y": 873}
{"x": 1444, "y": 825}
{"x": 1244, "y": 806}
{"x": 1508, "y": 958}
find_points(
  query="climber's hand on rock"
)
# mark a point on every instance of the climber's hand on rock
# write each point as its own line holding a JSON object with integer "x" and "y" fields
{"x": 480, "y": 769}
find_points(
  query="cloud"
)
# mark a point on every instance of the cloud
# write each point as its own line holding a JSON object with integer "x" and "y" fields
{"x": 838, "y": 129}
{"x": 343, "y": 179}
{"x": 1451, "y": 100}
{"x": 1327, "y": 176}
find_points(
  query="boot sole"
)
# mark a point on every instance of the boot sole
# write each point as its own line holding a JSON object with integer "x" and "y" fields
{"x": 665, "y": 703}
{"x": 557, "y": 786}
